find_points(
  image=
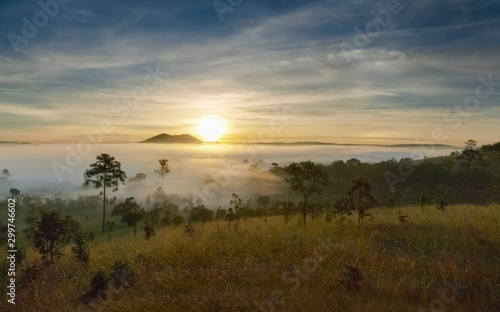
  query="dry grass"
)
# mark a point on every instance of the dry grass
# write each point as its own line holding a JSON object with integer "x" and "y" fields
{"x": 289, "y": 267}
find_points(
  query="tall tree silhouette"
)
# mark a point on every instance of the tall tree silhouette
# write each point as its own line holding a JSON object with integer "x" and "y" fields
{"x": 163, "y": 170}
{"x": 105, "y": 173}
{"x": 263, "y": 201}
{"x": 360, "y": 196}
{"x": 307, "y": 178}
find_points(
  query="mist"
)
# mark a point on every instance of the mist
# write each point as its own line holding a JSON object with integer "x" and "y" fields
{"x": 32, "y": 167}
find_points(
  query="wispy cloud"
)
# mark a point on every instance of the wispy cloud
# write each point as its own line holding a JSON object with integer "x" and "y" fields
{"x": 265, "y": 55}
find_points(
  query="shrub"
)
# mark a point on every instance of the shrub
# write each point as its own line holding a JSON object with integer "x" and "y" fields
{"x": 31, "y": 273}
{"x": 98, "y": 288}
{"x": 81, "y": 249}
{"x": 3, "y": 233}
{"x": 122, "y": 276}
{"x": 177, "y": 220}
{"x": 441, "y": 204}
{"x": 328, "y": 216}
{"x": 149, "y": 231}
{"x": 189, "y": 229}
{"x": 352, "y": 278}
{"x": 403, "y": 219}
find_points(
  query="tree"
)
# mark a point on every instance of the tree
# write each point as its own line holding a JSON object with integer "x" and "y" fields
{"x": 441, "y": 204}
{"x": 287, "y": 209}
{"x": 341, "y": 206}
{"x": 360, "y": 196}
{"x": 81, "y": 248}
{"x": 189, "y": 200}
{"x": 161, "y": 198}
{"x": 353, "y": 162}
{"x": 307, "y": 178}
{"x": 471, "y": 152}
{"x": 105, "y": 173}
{"x": 109, "y": 228}
{"x": 163, "y": 170}
{"x": 14, "y": 192}
{"x": 200, "y": 214}
{"x": 130, "y": 211}
{"x": 210, "y": 182}
{"x": 234, "y": 211}
{"x": 51, "y": 233}
{"x": 139, "y": 178}
{"x": 424, "y": 199}
{"x": 470, "y": 147}
{"x": 263, "y": 201}
{"x": 220, "y": 214}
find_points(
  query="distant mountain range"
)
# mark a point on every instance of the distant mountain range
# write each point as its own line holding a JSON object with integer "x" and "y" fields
{"x": 347, "y": 144}
{"x": 167, "y": 138}
{"x": 187, "y": 138}
{"x": 13, "y": 142}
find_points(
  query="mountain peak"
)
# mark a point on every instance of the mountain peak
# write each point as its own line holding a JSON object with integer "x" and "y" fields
{"x": 167, "y": 138}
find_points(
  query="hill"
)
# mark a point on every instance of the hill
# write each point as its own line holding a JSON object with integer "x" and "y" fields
{"x": 167, "y": 138}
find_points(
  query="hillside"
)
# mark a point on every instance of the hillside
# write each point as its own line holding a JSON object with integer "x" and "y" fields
{"x": 278, "y": 266}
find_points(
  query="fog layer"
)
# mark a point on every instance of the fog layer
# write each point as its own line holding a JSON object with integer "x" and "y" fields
{"x": 58, "y": 169}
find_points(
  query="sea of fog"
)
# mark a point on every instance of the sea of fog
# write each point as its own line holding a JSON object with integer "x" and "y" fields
{"x": 52, "y": 169}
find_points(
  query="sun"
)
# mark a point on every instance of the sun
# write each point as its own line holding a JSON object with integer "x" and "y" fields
{"x": 210, "y": 128}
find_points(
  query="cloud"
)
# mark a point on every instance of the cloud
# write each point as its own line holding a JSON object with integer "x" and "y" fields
{"x": 265, "y": 55}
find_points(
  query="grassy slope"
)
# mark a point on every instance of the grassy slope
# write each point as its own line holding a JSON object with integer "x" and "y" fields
{"x": 404, "y": 265}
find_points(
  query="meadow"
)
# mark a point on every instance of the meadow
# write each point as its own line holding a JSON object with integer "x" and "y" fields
{"x": 437, "y": 261}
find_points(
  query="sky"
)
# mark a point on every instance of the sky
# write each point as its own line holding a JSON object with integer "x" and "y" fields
{"x": 359, "y": 71}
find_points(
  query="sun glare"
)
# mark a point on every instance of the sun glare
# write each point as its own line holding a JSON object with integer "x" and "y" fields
{"x": 210, "y": 128}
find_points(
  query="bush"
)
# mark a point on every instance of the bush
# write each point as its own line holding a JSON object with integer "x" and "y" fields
{"x": 352, "y": 278}
{"x": 403, "y": 219}
{"x": 31, "y": 273}
{"x": 177, "y": 220}
{"x": 98, "y": 288}
{"x": 441, "y": 204}
{"x": 149, "y": 231}
{"x": 328, "y": 216}
{"x": 122, "y": 276}
{"x": 21, "y": 255}
{"x": 189, "y": 229}
{"x": 3, "y": 233}
{"x": 81, "y": 249}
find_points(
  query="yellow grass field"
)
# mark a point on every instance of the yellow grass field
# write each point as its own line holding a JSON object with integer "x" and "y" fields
{"x": 436, "y": 262}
